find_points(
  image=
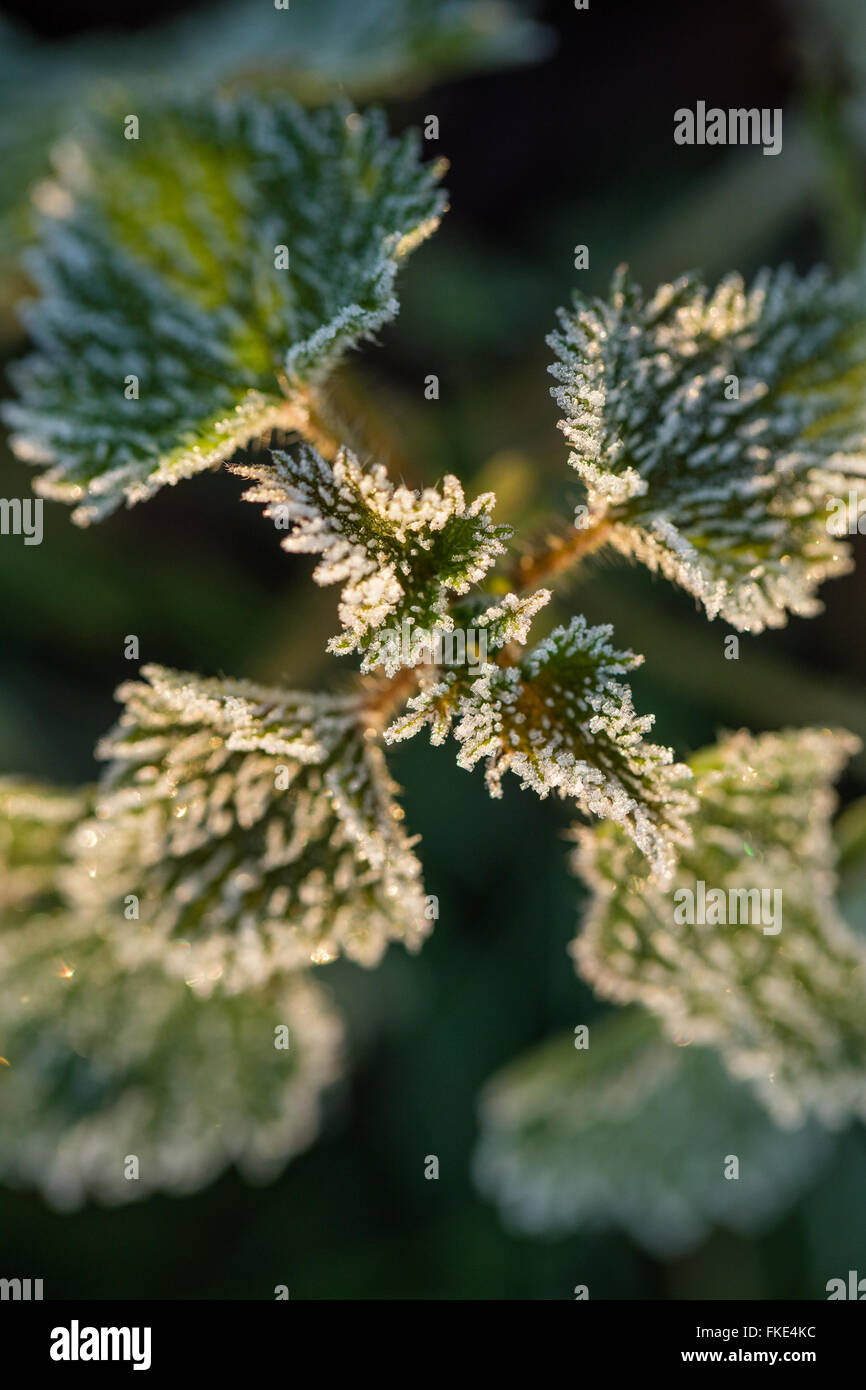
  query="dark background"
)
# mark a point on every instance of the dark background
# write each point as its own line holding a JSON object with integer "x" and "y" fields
{"x": 578, "y": 149}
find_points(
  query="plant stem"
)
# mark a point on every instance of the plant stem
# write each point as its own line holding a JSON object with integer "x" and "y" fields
{"x": 324, "y": 428}
{"x": 386, "y": 696}
{"x": 307, "y": 414}
{"x": 561, "y": 552}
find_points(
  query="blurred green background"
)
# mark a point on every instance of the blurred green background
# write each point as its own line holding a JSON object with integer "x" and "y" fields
{"x": 576, "y": 148}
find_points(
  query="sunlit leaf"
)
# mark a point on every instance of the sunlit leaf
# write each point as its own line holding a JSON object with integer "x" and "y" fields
{"x": 721, "y": 436}
{"x": 765, "y": 970}
{"x": 198, "y": 279}
{"x": 400, "y": 555}
{"x": 563, "y": 721}
{"x": 256, "y": 829}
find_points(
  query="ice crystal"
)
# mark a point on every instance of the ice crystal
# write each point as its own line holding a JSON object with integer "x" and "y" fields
{"x": 787, "y": 1009}
{"x": 635, "y": 1132}
{"x": 103, "y": 1063}
{"x": 400, "y": 555}
{"x": 166, "y": 268}
{"x": 562, "y": 721}
{"x": 256, "y": 827}
{"x": 711, "y": 431}
{"x": 442, "y": 690}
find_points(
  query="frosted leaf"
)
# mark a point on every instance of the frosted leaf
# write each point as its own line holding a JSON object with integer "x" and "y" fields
{"x": 510, "y": 619}
{"x": 776, "y": 983}
{"x": 400, "y": 555}
{"x": 104, "y": 1063}
{"x": 634, "y": 1132}
{"x": 731, "y": 498}
{"x": 310, "y": 50}
{"x": 165, "y": 268}
{"x": 442, "y": 690}
{"x": 257, "y": 828}
{"x": 35, "y": 825}
{"x": 562, "y": 721}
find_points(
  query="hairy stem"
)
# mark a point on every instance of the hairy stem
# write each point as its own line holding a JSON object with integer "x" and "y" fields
{"x": 309, "y": 415}
{"x": 560, "y": 553}
{"x": 386, "y": 696}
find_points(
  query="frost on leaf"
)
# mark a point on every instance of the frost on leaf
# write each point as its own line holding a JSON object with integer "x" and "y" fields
{"x": 224, "y": 261}
{"x": 256, "y": 827}
{"x": 309, "y": 50}
{"x": 35, "y": 825}
{"x": 104, "y": 1062}
{"x": 442, "y": 690}
{"x": 562, "y": 721}
{"x": 746, "y": 950}
{"x": 633, "y": 1132}
{"x": 712, "y": 430}
{"x": 400, "y": 555}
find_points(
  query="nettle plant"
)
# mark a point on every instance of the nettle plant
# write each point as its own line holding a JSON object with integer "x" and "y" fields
{"x": 198, "y": 285}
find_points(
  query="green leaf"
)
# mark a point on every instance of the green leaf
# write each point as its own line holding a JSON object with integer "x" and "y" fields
{"x": 444, "y": 688}
{"x": 634, "y": 1132}
{"x": 257, "y": 828}
{"x": 766, "y": 970}
{"x": 562, "y": 721}
{"x": 400, "y": 555}
{"x": 35, "y": 825}
{"x": 165, "y": 268}
{"x": 102, "y": 1064}
{"x": 313, "y": 50}
{"x": 731, "y": 498}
